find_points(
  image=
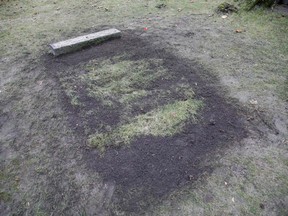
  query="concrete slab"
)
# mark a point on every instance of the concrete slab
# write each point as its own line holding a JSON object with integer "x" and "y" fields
{"x": 77, "y": 43}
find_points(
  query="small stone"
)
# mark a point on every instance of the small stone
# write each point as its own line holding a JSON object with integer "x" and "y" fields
{"x": 190, "y": 177}
{"x": 212, "y": 122}
{"x": 253, "y": 102}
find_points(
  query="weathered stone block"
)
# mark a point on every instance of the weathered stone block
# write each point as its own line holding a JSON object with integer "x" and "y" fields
{"x": 77, "y": 43}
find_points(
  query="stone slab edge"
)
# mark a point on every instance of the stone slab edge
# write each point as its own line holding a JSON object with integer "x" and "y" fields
{"x": 77, "y": 43}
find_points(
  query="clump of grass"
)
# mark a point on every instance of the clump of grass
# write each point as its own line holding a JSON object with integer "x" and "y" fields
{"x": 70, "y": 88}
{"x": 226, "y": 8}
{"x": 184, "y": 90}
{"x": 163, "y": 121}
{"x": 4, "y": 196}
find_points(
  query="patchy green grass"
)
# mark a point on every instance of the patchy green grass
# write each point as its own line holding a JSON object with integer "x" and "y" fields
{"x": 115, "y": 80}
{"x": 266, "y": 25}
{"x": 68, "y": 84}
{"x": 164, "y": 121}
{"x": 5, "y": 196}
{"x": 271, "y": 28}
{"x": 261, "y": 47}
{"x": 122, "y": 81}
{"x": 9, "y": 182}
{"x": 127, "y": 82}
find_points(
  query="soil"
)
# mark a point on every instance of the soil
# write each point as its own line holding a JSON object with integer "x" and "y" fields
{"x": 152, "y": 167}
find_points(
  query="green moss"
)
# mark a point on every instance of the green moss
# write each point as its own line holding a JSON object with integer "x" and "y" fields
{"x": 164, "y": 121}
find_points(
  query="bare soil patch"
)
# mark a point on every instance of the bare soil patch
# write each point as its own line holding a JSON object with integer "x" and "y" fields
{"x": 152, "y": 166}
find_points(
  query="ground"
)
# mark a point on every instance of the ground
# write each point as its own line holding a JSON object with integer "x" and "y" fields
{"x": 181, "y": 116}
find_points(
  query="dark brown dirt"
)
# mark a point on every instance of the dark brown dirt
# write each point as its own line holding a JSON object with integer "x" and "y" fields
{"x": 152, "y": 167}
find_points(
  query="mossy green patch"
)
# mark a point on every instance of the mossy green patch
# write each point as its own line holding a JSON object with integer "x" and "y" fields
{"x": 163, "y": 121}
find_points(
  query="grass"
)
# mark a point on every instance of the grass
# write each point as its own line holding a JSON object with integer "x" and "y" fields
{"x": 274, "y": 54}
{"x": 68, "y": 84}
{"x": 114, "y": 80}
{"x": 261, "y": 47}
{"x": 9, "y": 181}
{"x": 120, "y": 81}
{"x": 164, "y": 121}
{"x": 263, "y": 24}
{"x": 123, "y": 81}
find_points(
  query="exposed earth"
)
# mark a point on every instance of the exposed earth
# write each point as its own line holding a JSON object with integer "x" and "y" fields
{"x": 183, "y": 115}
